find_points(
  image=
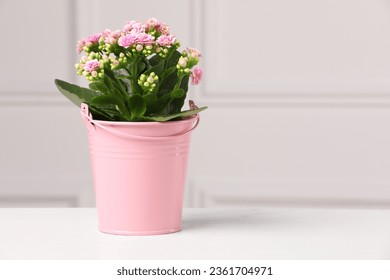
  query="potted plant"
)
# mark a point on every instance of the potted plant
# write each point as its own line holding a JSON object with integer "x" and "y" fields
{"x": 139, "y": 134}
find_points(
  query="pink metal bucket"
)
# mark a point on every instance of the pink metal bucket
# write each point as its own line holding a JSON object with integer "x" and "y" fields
{"x": 139, "y": 171}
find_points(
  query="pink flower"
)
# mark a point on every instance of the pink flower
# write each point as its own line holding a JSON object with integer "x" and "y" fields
{"x": 165, "y": 40}
{"x": 127, "y": 41}
{"x": 89, "y": 41}
{"x": 145, "y": 39}
{"x": 134, "y": 27}
{"x": 80, "y": 46}
{"x": 112, "y": 37}
{"x": 196, "y": 75}
{"x": 106, "y": 32}
{"x": 192, "y": 52}
{"x": 164, "y": 29}
{"x": 93, "y": 39}
{"x": 153, "y": 23}
{"x": 91, "y": 65}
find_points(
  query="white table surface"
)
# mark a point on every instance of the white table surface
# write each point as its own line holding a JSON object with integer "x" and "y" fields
{"x": 71, "y": 233}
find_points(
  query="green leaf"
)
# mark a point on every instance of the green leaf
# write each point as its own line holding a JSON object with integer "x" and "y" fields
{"x": 149, "y": 98}
{"x": 104, "y": 100}
{"x": 163, "y": 103}
{"x": 107, "y": 81}
{"x": 184, "y": 83}
{"x": 121, "y": 77}
{"x": 157, "y": 69}
{"x": 177, "y": 93}
{"x": 168, "y": 83}
{"x": 137, "y": 106}
{"x": 75, "y": 93}
{"x": 154, "y": 60}
{"x": 108, "y": 101}
{"x": 120, "y": 74}
{"x": 165, "y": 118}
{"x": 136, "y": 89}
{"x": 178, "y": 103}
{"x": 99, "y": 86}
{"x": 170, "y": 79}
{"x": 173, "y": 59}
{"x": 169, "y": 71}
{"x": 103, "y": 114}
{"x": 114, "y": 84}
{"x": 140, "y": 67}
{"x": 163, "y": 92}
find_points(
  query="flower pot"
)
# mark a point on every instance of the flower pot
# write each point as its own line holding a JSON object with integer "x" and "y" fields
{"x": 139, "y": 171}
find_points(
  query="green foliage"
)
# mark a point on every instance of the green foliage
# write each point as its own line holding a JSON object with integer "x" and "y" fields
{"x": 183, "y": 114}
{"x": 117, "y": 96}
{"x": 75, "y": 93}
{"x": 137, "y": 107}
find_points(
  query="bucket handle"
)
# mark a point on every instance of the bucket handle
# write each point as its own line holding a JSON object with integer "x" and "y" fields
{"x": 88, "y": 119}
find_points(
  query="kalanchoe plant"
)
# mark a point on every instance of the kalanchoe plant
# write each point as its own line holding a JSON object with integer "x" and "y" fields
{"x": 135, "y": 74}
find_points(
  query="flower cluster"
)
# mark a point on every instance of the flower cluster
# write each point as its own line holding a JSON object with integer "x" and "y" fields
{"x": 148, "y": 83}
{"x": 117, "y": 49}
{"x": 91, "y": 66}
{"x": 189, "y": 58}
{"x": 136, "y": 73}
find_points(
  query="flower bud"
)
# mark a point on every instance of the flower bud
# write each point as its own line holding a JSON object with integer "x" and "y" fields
{"x": 182, "y": 62}
{"x": 139, "y": 47}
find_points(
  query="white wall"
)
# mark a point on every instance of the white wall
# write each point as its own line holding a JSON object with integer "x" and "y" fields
{"x": 298, "y": 95}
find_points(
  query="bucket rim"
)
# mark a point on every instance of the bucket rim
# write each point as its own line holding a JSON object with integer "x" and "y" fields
{"x": 128, "y": 123}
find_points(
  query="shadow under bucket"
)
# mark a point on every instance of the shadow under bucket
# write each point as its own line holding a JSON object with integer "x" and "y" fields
{"x": 139, "y": 171}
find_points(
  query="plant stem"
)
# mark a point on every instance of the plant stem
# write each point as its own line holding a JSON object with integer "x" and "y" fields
{"x": 177, "y": 86}
{"x": 133, "y": 73}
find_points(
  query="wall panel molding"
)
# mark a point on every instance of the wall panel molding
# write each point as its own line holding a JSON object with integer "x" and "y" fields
{"x": 34, "y": 85}
{"x": 38, "y": 201}
{"x": 258, "y": 192}
{"x": 209, "y": 25}
{"x": 24, "y": 99}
